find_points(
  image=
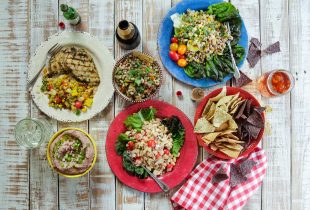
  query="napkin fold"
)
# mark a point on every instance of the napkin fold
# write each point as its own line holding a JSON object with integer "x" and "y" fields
{"x": 200, "y": 193}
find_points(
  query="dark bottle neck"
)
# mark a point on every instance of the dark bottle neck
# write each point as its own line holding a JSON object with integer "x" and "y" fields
{"x": 125, "y": 30}
{"x": 64, "y": 7}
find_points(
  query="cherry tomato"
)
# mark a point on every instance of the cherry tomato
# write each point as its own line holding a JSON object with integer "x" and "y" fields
{"x": 182, "y": 62}
{"x": 151, "y": 143}
{"x": 174, "y": 40}
{"x": 137, "y": 158}
{"x": 50, "y": 87}
{"x": 166, "y": 151}
{"x": 158, "y": 156}
{"x": 130, "y": 145}
{"x": 78, "y": 104}
{"x": 169, "y": 167}
{"x": 174, "y": 56}
{"x": 174, "y": 47}
{"x": 182, "y": 49}
{"x": 58, "y": 99}
{"x": 181, "y": 56}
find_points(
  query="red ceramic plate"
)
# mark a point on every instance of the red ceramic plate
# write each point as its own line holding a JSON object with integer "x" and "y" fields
{"x": 184, "y": 164}
{"x": 230, "y": 91}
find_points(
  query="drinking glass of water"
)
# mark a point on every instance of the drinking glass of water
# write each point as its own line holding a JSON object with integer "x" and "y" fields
{"x": 30, "y": 133}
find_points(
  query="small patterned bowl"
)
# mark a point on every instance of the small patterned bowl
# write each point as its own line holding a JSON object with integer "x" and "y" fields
{"x": 142, "y": 56}
{"x": 50, "y": 159}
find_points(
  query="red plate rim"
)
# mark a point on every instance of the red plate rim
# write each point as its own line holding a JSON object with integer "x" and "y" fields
{"x": 230, "y": 91}
{"x": 184, "y": 164}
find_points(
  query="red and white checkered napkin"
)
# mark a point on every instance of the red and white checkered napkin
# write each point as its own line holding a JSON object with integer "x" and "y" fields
{"x": 200, "y": 193}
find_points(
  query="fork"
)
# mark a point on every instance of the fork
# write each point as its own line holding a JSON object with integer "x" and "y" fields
{"x": 237, "y": 72}
{"x": 54, "y": 49}
{"x": 161, "y": 184}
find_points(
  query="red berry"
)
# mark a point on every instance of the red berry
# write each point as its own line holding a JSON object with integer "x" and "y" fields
{"x": 61, "y": 25}
{"x": 179, "y": 93}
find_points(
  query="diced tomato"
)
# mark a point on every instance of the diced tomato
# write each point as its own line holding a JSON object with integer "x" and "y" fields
{"x": 130, "y": 145}
{"x": 50, "y": 87}
{"x": 58, "y": 100}
{"x": 151, "y": 143}
{"x": 137, "y": 158}
{"x": 78, "y": 104}
{"x": 166, "y": 151}
{"x": 174, "y": 40}
{"x": 158, "y": 155}
{"x": 137, "y": 136}
{"x": 169, "y": 167}
{"x": 181, "y": 56}
{"x": 64, "y": 83}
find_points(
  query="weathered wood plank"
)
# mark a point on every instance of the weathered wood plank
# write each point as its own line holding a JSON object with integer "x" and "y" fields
{"x": 74, "y": 193}
{"x": 249, "y": 11}
{"x": 102, "y": 180}
{"x": 300, "y": 101}
{"x": 276, "y": 192}
{"x": 14, "y": 105}
{"x": 156, "y": 10}
{"x": 127, "y": 198}
{"x": 43, "y": 182}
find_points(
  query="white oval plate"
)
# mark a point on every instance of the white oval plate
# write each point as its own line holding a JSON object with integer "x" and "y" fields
{"x": 104, "y": 62}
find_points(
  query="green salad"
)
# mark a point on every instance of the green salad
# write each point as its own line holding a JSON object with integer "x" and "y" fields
{"x": 150, "y": 142}
{"x": 203, "y": 36}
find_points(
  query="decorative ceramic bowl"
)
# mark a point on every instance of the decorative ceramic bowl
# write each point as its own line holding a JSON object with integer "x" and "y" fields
{"x": 142, "y": 56}
{"x": 51, "y": 162}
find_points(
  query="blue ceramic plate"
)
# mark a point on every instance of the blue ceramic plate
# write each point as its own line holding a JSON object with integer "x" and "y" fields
{"x": 166, "y": 32}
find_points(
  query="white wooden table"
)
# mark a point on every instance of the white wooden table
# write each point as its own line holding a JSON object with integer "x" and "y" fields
{"x": 26, "y": 182}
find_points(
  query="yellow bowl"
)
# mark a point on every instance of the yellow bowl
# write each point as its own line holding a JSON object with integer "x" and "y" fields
{"x": 50, "y": 160}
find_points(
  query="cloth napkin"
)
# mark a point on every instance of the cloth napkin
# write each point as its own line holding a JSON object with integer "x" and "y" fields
{"x": 200, "y": 193}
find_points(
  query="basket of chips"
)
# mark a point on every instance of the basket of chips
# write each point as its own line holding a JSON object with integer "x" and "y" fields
{"x": 229, "y": 123}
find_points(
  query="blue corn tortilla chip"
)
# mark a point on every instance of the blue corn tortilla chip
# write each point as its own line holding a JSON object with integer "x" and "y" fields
{"x": 252, "y": 130}
{"x": 246, "y": 166}
{"x": 219, "y": 176}
{"x": 236, "y": 177}
{"x": 273, "y": 48}
{"x": 256, "y": 119}
{"x": 243, "y": 80}
{"x": 256, "y": 42}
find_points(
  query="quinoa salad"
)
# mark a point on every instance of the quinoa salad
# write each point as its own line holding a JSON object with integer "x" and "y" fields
{"x": 136, "y": 78}
{"x": 150, "y": 141}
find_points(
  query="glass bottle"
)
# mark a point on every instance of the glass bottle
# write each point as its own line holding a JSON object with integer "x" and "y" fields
{"x": 127, "y": 35}
{"x": 275, "y": 83}
{"x": 70, "y": 14}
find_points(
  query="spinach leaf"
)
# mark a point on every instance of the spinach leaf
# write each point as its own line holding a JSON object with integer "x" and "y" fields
{"x": 177, "y": 130}
{"x": 134, "y": 170}
{"x": 223, "y": 11}
{"x": 194, "y": 70}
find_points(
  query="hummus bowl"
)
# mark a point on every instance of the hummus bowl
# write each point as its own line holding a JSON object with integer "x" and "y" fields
{"x": 71, "y": 152}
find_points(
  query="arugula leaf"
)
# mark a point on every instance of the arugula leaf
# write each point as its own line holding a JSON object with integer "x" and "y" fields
{"x": 177, "y": 130}
{"x": 194, "y": 70}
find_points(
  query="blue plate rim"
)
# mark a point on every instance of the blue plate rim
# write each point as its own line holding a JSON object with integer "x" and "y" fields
{"x": 202, "y": 83}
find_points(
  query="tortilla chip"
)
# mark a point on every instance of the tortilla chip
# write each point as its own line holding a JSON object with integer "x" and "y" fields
{"x": 234, "y": 98}
{"x": 256, "y": 119}
{"x": 203, "y": 126}
{"x": 236, "y": 177}
{"x": 223, "y": 107}
{"x": 211, "y": 136}
{"x": 246, "y": 166}
{"x": 224, "y": 100}
{"x": 220, "y": 95}
{"x": 233, "y": 104}
{"x": 233, "y": 146}
{"x": 232, "y": 141}
{"x": 241, "y": 110}
{"x": 223, "y": 127}
{"x": 220, "y": 117}
{"x": 230, "y": 153}
{"x": 235, "y": 107}
{"x": 232, "y": 125}
{"x": 252, "y": 130}
{"x": 213, "y": 147}
{"x": 219, "y": 176}
{"x": 227, "y": 132}
{"x": 206, "y": 108}
{"x": 210, "y": 114}
{"x": 273, "y": 48}
{"x": 231, "y": 136}
{"x": 243, "y": 80}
